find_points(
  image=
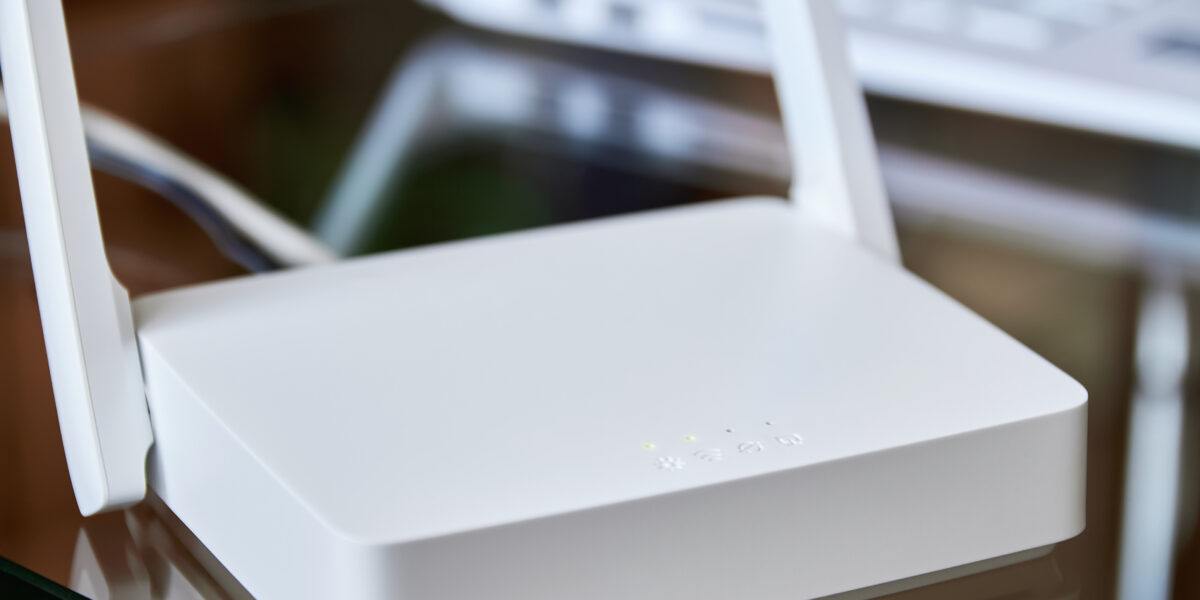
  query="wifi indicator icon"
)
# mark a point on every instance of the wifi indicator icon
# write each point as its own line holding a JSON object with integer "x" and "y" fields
{"x": 711, "y": 455}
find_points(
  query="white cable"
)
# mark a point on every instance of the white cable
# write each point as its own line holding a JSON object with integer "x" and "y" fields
{"x": 282, "y": 241}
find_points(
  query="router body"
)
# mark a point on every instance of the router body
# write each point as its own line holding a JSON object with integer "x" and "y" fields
{"x": 652, "y": 406}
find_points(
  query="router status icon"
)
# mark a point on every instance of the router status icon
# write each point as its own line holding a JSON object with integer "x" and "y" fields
{"x": 671, "y": 463}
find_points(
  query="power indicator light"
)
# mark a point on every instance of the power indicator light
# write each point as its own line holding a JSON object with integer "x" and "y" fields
{"x": 690, "y": 438}
{"x": 649, "y": 446}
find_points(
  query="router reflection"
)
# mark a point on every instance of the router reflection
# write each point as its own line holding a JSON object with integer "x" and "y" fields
{"x": 145, "y": 553}
{"x": 1039, "y": 578}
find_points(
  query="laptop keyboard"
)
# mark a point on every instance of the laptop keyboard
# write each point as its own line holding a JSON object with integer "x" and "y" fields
{"x": 1021, "y": 24}
{"x": 1124, "y": 67}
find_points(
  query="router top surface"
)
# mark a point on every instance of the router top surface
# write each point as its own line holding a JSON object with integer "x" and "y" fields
{"x": 477, "y": 383}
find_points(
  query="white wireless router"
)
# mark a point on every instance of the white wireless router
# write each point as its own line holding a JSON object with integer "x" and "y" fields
{"x": 749, "y": 399}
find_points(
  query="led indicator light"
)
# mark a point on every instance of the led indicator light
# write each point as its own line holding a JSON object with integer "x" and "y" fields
{"x": 649, "y": 446}
{"x": 690, "y": 438}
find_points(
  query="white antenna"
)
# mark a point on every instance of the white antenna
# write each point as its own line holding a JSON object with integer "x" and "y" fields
{"x": 86, "y": 315}
{"x": 835, "y": 169}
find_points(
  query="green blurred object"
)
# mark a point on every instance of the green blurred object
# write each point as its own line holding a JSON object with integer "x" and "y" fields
{"x": 18, "y": 583}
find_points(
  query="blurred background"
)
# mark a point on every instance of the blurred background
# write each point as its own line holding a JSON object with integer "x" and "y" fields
{"x": 377, "y": 125}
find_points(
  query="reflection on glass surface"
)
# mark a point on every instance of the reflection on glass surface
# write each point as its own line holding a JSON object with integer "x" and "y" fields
{"x": 1037, "y": 579}
{"x": 452, "y": 96}
{"x": 1149, "y": 523}
{"x": 495, "y": 115}
{"x": 146, "y": 554}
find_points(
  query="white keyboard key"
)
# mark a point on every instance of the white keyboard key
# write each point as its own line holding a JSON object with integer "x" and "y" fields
{"x": 1004, "y": 28}
{"x": 1128, "y": 3}
{"x": 927, "y": 15}
{"x": 584, "y": 16}
{"x": 1179, "y": 45}
{"x": 861, "y": 9}
{"x": 1085, "y": 13}
{"x": 669, "y": 21}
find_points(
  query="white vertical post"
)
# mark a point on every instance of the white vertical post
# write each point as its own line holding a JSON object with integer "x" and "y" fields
{"x": 1150, "y": 514}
